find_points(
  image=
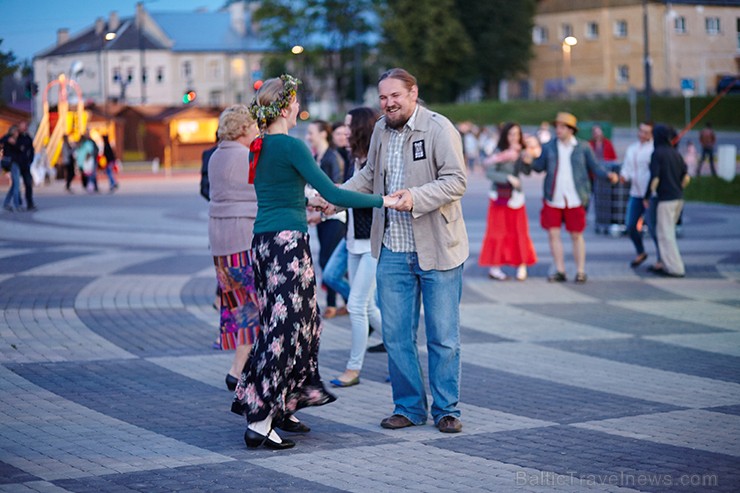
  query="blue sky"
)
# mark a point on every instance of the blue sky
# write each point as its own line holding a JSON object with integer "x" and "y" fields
{"x": 29, "y": 26}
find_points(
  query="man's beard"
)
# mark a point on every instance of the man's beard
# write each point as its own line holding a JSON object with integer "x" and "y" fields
{"x": 395, "y": 125}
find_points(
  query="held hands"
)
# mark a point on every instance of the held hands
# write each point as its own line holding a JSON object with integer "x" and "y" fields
{"x": 514, "y": 181}
{"x": 400, "y": 200}
{"x": 318, "y": 205}
{"x": 613, "y": 177}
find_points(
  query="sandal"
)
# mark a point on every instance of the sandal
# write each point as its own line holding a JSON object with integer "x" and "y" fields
{"x": 581, "y": 278}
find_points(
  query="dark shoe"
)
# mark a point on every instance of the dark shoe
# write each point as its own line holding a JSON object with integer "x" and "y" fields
{"x": 449, "y": 424}
{"x": 655, "y": 269}
{"x": 254, "y": 440}
{"x": 339, "y": 383}
{"x": 231, "y": 382}
{"x": 581, "y": 278}
{"x": 292, "y": 426}
{"x": 395, "y": 422}
{"x": 378, "y": 348}
{"x": 33, "y": 208}
{"x": 639, "y": 260}
{"x": 557, "y": 277}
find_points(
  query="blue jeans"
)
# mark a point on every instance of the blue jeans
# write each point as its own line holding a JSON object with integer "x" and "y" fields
{"x": 635, "y": 210}
{"x": 361, "y": 304}
{"x": 111, "y": 177}
{"x": 333, "y": 273}
{"x": 14, "y": 192}
{"x": 402, "y": 285}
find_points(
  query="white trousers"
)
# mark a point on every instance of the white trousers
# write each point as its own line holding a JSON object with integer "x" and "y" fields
{"x": 668, "y": 213}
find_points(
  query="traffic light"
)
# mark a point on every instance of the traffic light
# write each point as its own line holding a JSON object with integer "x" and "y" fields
{"x": 189, "y": 96}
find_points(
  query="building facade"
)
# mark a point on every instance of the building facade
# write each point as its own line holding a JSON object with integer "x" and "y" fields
{"x": 157, "y": 58}
{"x": 595, "y": 47}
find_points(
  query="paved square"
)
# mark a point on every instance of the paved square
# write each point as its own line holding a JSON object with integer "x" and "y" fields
{"x": 108, "y": 381}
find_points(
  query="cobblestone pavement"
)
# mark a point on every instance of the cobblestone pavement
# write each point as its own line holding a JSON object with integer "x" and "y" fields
{"x": 108, "y": 381}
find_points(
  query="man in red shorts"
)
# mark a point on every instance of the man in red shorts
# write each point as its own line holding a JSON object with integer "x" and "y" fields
{"x": 567, "y": 162}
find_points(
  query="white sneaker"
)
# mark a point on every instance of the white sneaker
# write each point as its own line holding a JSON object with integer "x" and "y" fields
{"x": 497, "y": 274}
{"x": 521, "y": 273}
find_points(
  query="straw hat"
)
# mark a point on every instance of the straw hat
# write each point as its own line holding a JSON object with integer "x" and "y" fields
{"x": 567, "y": 119}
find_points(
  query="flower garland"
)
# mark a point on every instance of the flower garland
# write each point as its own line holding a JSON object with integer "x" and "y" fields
{"x": 265, "y": 114}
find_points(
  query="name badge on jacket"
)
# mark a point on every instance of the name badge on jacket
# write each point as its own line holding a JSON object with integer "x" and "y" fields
{"x": 419, "y": 151}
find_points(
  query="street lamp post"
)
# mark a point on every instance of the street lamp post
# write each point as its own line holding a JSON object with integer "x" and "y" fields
{"x": 646, "y": 56}
{"x": 568, "y": 43}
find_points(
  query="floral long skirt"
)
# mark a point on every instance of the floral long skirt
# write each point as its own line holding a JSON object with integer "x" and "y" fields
{"x": 240, "y": 321}
{"x": 282, "y": 374}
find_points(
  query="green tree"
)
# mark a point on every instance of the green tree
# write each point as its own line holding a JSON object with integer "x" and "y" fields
{"x": 330, "y": 32}
{"x": 8, "y": 65}
{"x": 427, "y": 38}
{"x": 501, "y": 34}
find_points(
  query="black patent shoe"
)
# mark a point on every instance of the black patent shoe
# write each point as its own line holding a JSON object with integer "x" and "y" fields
{"x": 292, "y": 426}
{"x": 231, "y": 382}
{"x": 255, "y": 440}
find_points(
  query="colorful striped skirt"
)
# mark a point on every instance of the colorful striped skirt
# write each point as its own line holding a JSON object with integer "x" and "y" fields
{"x": 240, "y": 321}
{"x": 282, "y": 374}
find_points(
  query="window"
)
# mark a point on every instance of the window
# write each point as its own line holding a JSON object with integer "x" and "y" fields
{"x": 679, "y": 24}
{"x": 160, "y": 75}
{"x": 187, "y": 69}
{"x": 143, "y": 75}
{"x": 129, "y": 74}
{"x": 620, "y": 29}
{"x": 116, "y": 74}
{"x": 214, "y": 69}
{"x": 592, "y": 30}
{"x": 737, "y": 28}
{"x": 623, "y": 74}
{"x": 566, "y": 30}
{"x": 215, "y": 98}
{"x": 539, "y": 35}
{"x": 712, "y": 25}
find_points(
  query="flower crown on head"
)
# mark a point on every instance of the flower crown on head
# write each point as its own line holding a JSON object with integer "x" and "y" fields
{"x": 265, "y": 114}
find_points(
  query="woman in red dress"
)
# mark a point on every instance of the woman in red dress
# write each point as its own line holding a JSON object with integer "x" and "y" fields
{"x": 507, "y": 240}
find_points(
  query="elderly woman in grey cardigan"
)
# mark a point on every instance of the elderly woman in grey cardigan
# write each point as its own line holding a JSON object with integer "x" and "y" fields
{"x": 232, "y": 211}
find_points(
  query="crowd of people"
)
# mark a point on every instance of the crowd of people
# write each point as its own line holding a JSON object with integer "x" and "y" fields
{"x": 84, "y": 156}
{"x": 386, "y": 190}
{"x": 571, "y": 166}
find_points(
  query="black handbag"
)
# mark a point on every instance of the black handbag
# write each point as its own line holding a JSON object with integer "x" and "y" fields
{"x": 7, "y": 164}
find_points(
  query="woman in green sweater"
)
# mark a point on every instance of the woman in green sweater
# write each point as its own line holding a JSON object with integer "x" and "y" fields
{"x": 282, "y": 374}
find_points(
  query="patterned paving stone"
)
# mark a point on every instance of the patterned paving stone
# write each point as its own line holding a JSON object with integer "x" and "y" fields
{"x": 74, "y": 441}
{"x": 628, "y": 290}
{"x": 10, "y": 474}
{"x": 41, "y": 291}
{"x": 95, "y": 263}
{"x": 519, "y": 324}
{"x": 389, "y": 468}
{"x": 653, "y": 354}
{"x": 588, "y": 454}
{"x": 176, "y": 264}
{"x": 234, "y": 476}
{"x": 720, "y": 342}
{"x": 203, "y": 418}
{"x": 618, "y": 319}
{"x": 622, "y": 379}
{"x": 25, "y": 261}
{"x": 51, "y": 334}
{"x": 691, "y": 428}
{"x": 117, "y": 387}
{"x": 545, "y": 400}
{"x": 151, "y": 332}
{"x": 688, "y": 311}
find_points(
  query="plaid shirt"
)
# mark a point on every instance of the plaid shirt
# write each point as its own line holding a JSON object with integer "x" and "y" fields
{"x": 399, "y": 234}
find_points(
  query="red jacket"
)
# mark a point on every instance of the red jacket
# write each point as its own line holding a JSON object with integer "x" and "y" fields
{"x": 608, "y": 148}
